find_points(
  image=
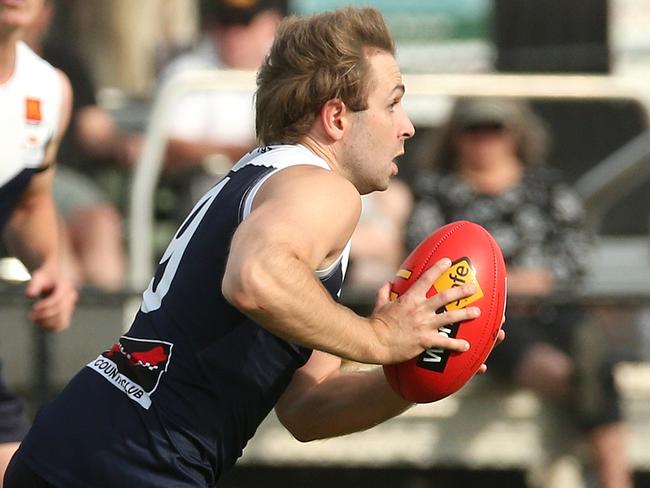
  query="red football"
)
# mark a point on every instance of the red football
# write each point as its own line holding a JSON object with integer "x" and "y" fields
{"x": 476, "y": 258}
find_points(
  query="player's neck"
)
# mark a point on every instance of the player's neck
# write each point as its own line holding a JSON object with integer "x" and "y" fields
{"x": 7, "y": 58}
{"x": 321, "y": 150}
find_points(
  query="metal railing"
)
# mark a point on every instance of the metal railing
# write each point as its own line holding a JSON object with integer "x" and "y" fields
{"x": 596, "y": 186}
{"x": 625, "y": 170}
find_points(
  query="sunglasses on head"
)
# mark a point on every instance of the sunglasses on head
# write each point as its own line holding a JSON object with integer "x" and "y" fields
{"x": 483, "y": 127}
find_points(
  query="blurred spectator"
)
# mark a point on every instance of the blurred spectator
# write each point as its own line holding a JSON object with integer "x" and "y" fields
{"x": 208, "y": 131}
{"x": 488, "y": 169}
{"x": 93, "y": 247}
{"x": 35, "y": 105}
{"x": 378, "y": 241}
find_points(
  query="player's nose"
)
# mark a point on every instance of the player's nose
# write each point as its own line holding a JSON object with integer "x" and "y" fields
{"x": 407, "y": 130}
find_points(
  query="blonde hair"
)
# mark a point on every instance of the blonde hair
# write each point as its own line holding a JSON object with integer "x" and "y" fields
{"x": 313, "y": 60}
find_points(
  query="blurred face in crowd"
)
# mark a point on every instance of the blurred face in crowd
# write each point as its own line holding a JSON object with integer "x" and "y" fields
{"x": 244, "y": 46}
{"x": 376, "y": 135}
{"x": 484, "y": 145}
{"x": 18, "y": 14}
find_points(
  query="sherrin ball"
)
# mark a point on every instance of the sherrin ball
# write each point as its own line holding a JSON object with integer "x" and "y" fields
{"x": 476, "y": 258}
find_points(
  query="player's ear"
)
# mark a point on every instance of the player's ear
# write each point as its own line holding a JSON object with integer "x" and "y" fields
{"x": 332, "y": 116}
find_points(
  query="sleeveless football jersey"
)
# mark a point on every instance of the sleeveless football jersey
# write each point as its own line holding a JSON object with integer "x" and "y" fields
{"x": 30, "y": 105}
{"x": 176, "y": 399}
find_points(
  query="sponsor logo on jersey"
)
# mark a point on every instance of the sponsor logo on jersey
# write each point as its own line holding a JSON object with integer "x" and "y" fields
{"x": 134, "y": 366}
{"x": 33, "y": 110}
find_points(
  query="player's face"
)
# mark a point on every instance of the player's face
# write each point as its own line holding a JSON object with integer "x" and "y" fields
{"x": 376, "y": 137}
{"x": 18, "y": 14}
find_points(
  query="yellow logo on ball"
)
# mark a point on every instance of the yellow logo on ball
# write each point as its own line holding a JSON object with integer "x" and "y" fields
{"x": 460, "y": 273}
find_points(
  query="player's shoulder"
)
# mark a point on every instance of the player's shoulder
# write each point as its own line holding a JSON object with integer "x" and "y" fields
{"x": 314, "y": 182}
{"x": 66, "y": 85}
{"x": 33, "y": 64}
{"x": 309, "y": 184}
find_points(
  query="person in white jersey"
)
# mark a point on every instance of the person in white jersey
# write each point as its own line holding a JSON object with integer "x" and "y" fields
{"x": 35, "y": 103}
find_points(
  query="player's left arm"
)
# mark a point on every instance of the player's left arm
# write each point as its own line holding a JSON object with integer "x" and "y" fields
{"x": 324, "y": 401}
{"x": 33, "y": 235}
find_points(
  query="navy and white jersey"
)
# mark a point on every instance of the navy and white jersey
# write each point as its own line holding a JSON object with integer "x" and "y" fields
{"x": 30, "y": 106}
{"x": 176, "y": 399}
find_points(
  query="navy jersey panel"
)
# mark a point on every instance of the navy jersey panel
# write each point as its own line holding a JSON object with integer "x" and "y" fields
{"x": 187, "y": 386}
{"x": 11, "y": 192}
{"x": 93, "y": 436}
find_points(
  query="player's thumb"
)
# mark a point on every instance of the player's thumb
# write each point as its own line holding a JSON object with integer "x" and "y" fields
{"x": 39, "y": 283}
{"x": 383, "y": 295}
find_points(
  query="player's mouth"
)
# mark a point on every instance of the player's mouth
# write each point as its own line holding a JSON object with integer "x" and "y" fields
{"x": 395, "y": 164}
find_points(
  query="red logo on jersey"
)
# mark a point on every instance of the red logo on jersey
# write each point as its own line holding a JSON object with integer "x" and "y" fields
{"x": 33, "y": 110}
{"x": 134, "y": 366}
{"x": 150, "y": 359}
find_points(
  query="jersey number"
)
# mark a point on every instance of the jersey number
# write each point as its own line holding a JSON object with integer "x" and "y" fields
{"x": 160, "y": 283}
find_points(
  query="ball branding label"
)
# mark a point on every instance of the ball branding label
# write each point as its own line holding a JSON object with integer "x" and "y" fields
{"x": 435, "y": 359}
{"x": 460, "y": 273}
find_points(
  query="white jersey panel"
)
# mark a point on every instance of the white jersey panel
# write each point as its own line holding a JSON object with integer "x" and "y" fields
{"x": 30, "y": 106}
{"x": 281, "y": 157}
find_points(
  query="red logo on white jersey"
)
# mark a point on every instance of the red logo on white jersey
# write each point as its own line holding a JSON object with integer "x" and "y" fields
{"x": 33, "y": 110}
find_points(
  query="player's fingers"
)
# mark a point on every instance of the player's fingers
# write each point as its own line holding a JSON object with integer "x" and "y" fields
{"x": 501, "y": 335}
{"x": 54, "y": 299}
{"x": 455, "y": 316}
{"x": 482, "y": 369}
{"x": 42, "y": 314}
{"x": 38, "y": 284}
{"x": 439, "y": 341}
{"x": 425, "y": 282}
{"x": 61, "y": 296}
{"x": 53, "y": 320}
{"x": 452, "y": 295}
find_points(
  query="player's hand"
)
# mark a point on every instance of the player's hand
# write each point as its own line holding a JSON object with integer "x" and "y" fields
{"x": 409, "y": 325}
{"x": 55, "y": 301}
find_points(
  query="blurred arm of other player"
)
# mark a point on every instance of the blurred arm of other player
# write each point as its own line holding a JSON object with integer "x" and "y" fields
{"x": 32, "y": 234}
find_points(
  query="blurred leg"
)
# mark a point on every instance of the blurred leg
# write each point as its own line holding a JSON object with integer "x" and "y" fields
{"x": 96, "y": 235}
{"x": 609, "y": 449}
{"x": 94, "y": 230}
{"x": 545, "y": 370}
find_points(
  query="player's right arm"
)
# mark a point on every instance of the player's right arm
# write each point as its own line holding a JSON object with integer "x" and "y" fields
{"x": 32, "y": 234}
{"x": 301, "y": 220}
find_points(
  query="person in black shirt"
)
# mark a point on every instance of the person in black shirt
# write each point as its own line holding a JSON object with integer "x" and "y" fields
{"x": 488, "y": 168}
